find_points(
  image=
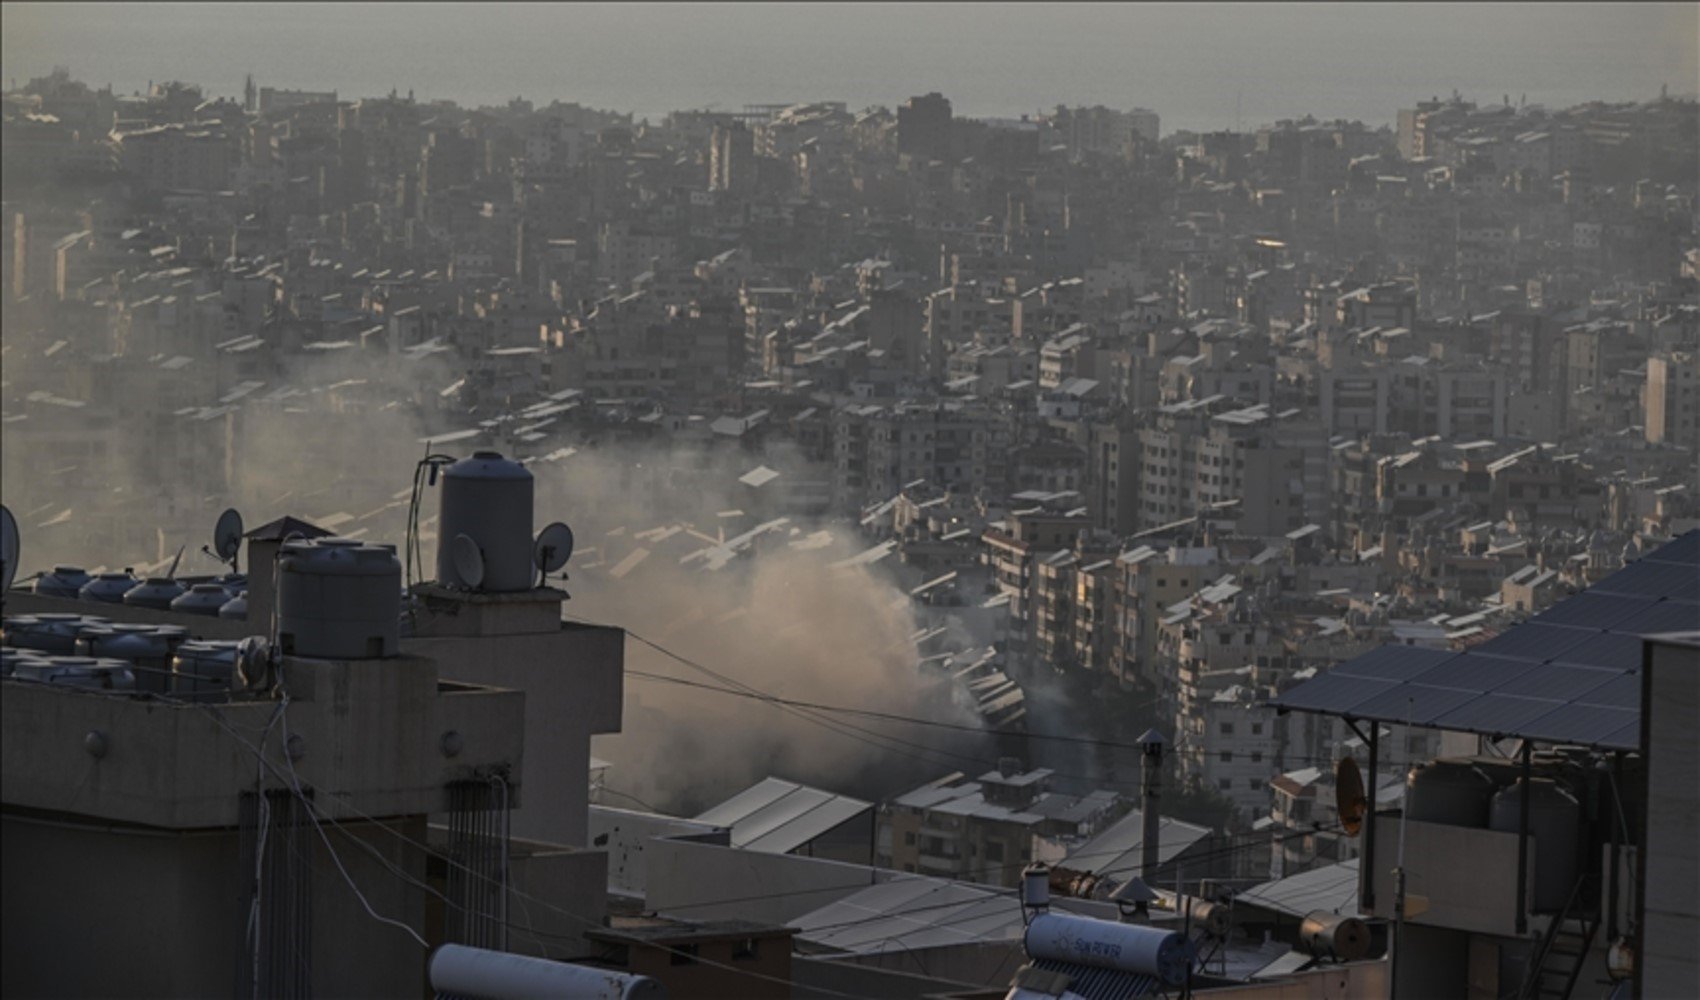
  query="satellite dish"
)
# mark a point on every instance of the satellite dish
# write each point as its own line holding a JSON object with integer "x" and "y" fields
{"x": 468, "y": 560}
{"x": 1349, "y": 796}
{"x": 554, "y": 547}
{"x": 8, "y": 548}
{"x": 227, "y": 536}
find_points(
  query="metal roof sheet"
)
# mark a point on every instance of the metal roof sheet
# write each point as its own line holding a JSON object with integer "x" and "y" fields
{"x": 777, "y": 816}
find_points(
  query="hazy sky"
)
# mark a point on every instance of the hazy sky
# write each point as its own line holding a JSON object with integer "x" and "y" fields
{"x": 1195, "y": 63}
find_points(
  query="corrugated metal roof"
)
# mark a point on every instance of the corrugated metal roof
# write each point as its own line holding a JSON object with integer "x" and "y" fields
{"x": 1570, "y": 674}
{"x": 1332, "y": 887}
{"x": 777, "y": 816}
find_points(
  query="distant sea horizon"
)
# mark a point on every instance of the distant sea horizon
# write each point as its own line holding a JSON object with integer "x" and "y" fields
{"x": 1202, "y": 67}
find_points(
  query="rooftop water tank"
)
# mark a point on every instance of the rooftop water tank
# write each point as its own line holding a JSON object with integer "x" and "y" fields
{"x": 1554, "y": 820}
{"x": 64, "y": 581}
{"x": 148, "y": 648}
{"x": 488, "y": 499}
{"x": 338, "y": 599}
{"x": 10, "y": 658}
{"x": 1338, "y": 936}
{"x": 202, "y": 599}
{"x": 1164, "y": 954}
{"x": 53, "y": 633}
{"x": 201, "y": 668}
{"x": 108, "y": 587}
{"x": 1452, "y": 792}
{"x": 156, "y": 592}
{"x": 79, "y": 671}
{"x": 233, "y": 583}
{"x": 235, "y": 608}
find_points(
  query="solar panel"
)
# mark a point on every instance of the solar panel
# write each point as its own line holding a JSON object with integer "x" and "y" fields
{"x": 1477, "y": 671}
{"x": 1590, "y": 610}
{"x": 1417, "y": 704}
{"x": 1558, "y": 680}
{"x": 1569, "y": 675}
{"x": 1663, "y": 616}
{"x": 1334, "y": 693}
{"x": 1654, "y": 578}
{"x": 1533, "y": 641}
{"x": 1614, "y": 650}
{"x": 1394, "y": 662}
{"x": 1585, "y": 724}
{"x": 1494, "y": 711}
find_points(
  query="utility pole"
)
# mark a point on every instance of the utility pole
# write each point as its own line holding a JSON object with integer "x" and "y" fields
{"x": 1151, "y": 750}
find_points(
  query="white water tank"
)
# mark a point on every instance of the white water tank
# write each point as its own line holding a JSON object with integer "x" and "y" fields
{"x": 338, "y": 599}
{"x": 488, "y": 499}
{"x": 1110, "y": 945}
{"x": 109, "y": 588}
{"x": 202, "y": 599}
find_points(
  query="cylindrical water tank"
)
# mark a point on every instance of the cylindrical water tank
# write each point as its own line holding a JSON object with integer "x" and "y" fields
{"x": 156, "y": 592}
{"x": 1452, "y": 792}
{"x": 200, "y": 668}
{"x": 339, "y": 599}
{"x": 1164, "y": 954}
{"x": 108, "y": 587}
{"x": 1554, "y": 817}
{"x": 202, "y": 599}
{"x": 1338, "y": 936}
{"x": 146, "y": 647}
{"x": 456, "y": 970}
{"x": 64, "y": 581}
{"x": 79, "y": 671}
{"x": 235, "y": 608}
{"x": 54, "y": 633}
{"x": 10, "y": 658}
{"x": 233, "y": 583}
{"x": 488, "y": 499}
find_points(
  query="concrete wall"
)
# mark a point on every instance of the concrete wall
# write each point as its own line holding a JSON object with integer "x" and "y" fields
{"x": 573, "y": 678}
{"x": 626, "y": 836}
{"x": 121, "y": 911}
{"x": 690, "y": 880}
{"x": 1670, "y": 727}
{"x": 1468, "y": 875}
{"x": 370, "y": 732}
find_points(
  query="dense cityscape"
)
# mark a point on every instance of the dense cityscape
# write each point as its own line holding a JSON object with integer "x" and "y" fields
{"x": 974, "y": 523}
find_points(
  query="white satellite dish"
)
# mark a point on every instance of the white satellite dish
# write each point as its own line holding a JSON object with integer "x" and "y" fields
{"x": 8, "y": 548}
{"x": 468, "y": 560}
{"x": 227, "y": 536}
{"x": 553, "y": 548}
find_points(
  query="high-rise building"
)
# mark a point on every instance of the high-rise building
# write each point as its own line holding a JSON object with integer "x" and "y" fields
{"x": 923, "y": 126}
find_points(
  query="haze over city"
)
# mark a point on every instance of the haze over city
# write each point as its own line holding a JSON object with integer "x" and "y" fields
{"x": 1026, "y": 501}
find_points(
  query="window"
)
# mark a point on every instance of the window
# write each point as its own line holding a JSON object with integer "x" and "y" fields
{"x": 1226, "y": 756}
{"x": 909, "y": 838}
{"x": 1225, "y": 784}
{"x": 1256, "y": 784}
{"x": 1257, "y": 756}
{"x": 1227, "y": 729}
{"x": 994, "y": 850}
{"x": 746, "y": 950}
{"x": 1257, "y": 729}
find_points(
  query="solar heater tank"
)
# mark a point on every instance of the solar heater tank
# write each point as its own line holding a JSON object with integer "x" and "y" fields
{"x": 108, "y": 588}
{"x": 202, "y": 599}
{"x": 339, "y": 599}
{"x": 1452, "y": 792}
{"x": 488, "y": 499}
{"x": 1554, "y": 823}
{"x": 1164, "y": 954}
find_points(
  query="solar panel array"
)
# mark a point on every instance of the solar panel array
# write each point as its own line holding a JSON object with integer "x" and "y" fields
{"x": 1571, "y": 674}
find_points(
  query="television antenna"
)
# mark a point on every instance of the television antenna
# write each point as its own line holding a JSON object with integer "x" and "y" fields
{"x": 227, "y": 538}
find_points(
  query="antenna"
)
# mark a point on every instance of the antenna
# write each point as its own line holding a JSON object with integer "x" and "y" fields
{"x": 553, "y": 548}
{"x": 8, "y": 548}
{"x": 227, "y": 537}
{"x": 1349, "y": 801}
{"x": 171, "y": 574}
{"x": 469, "y": 561}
